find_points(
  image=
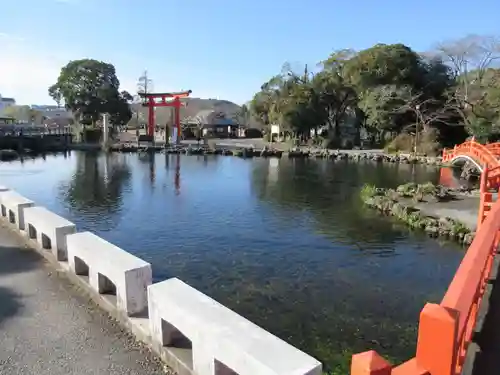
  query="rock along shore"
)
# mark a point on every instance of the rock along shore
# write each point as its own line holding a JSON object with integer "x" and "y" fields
{"x": 249, "y": 152}
{"x": 420, "y": 207}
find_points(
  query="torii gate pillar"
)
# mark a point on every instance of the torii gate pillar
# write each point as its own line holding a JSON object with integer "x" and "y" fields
{"x": 171, "y": 99}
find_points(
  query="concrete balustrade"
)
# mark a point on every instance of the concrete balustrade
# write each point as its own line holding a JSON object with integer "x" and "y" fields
{"x": 222, "y": 341}
{"x": 13, "y": 205}
{"x": 49, "y": 230}
{"x": 110, "y": 270}
{"x": 192, "y": 332}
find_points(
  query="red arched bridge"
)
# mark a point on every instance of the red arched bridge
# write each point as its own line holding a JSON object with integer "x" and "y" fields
{"x": 453, "y": 336}
{"x": 471, "y": 151}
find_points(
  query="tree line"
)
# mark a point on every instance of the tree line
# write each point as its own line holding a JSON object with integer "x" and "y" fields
{"x": 383, "y": 95}
{"x": 390, "y": 94}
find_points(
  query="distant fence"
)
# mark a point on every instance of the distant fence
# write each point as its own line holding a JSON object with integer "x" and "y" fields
{"x": 29, "y": 131}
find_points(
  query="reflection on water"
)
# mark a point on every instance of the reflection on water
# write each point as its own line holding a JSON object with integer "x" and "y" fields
{"x": 286, "y": 243}
{"x": 95, "y": 191}
{"x": 451, "y": 177}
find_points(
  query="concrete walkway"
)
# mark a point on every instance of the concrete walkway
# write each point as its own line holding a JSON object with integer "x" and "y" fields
{"x": 47, "y": 327}
{"x": 463, "y": 208}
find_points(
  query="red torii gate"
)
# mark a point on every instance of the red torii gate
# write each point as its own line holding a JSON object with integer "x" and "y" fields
{"x": 150, "y": 101}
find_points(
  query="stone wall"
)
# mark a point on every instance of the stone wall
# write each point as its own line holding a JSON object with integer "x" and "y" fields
{"x": 190, "y": 331}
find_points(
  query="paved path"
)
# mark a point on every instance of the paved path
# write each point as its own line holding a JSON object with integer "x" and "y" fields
{"x": 48, "y": 328}
{"x": 464, "y": 209}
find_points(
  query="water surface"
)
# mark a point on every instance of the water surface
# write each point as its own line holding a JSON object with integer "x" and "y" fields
{"x": 286, "y": 243}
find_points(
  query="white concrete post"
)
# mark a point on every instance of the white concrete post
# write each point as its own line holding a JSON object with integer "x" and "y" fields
{"x": 105, "y": 129}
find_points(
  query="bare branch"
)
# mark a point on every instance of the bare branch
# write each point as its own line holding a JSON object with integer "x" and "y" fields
{"x": 470, "y": 57}
{"x": 144, "y": 83}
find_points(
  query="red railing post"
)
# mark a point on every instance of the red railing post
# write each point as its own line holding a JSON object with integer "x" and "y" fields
{"x": 369, "y": 363}
{"x": 483, "y": 185}
{"x": 485, "y": 198}
{"x": 437, "y": 345}
{"x": 485, "y": 201}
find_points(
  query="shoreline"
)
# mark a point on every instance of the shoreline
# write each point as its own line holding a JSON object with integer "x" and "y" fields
{"x": 246, "y": 153}
{"x": 250, "y": 150}
{"x": 240, "y": 147}
{"x": 437, "y": 210}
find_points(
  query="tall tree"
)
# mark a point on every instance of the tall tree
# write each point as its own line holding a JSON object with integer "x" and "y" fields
{"x": 336, "y": 97}
{"x": 119, "y": 108}
{"x": 391, "y": 89}
{"x": 470, "y": 59}
{"x": 384, "y": 64}
{"x": 88, "y": 88}
{"x": 242, "y": 116}
{"x": 144, "y": 83}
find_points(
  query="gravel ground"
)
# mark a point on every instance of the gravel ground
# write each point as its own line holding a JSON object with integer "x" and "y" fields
{"x": 48, "y": 327}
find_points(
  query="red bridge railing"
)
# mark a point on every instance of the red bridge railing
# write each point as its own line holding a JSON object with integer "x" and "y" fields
{"x": 445, "y": 329}
{"x": 494, "y": 147}
{"x": 485, "y": 155}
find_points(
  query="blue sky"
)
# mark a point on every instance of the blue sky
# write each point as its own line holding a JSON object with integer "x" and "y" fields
{"x": 218, "y": 48}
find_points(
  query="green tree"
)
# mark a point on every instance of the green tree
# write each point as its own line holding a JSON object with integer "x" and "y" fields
{"x": 243, "y": 115}
{"x": 379, "y": 105}
{"x": 389, "y": 89}
{"x": 384, "y": 64}
{"x": 336, "y": 97}
{"x": 472, "y": 96}
{"x": 119, "y": 109}
{"x": 88, "y": 88}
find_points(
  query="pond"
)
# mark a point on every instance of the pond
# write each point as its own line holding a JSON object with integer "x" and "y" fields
{"x": 286, "y": 243}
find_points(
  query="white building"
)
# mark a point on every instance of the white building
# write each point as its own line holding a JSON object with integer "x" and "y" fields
{"x": 6, "y": 102}
{"x": 52, "y": 111}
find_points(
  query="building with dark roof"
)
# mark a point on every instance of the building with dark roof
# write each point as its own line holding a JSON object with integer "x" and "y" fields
{"x": 213, "y": 124}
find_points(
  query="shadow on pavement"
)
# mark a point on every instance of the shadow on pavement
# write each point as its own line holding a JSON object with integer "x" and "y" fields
{"x": 13, "y": 260}
{"x": 9, "y": 304}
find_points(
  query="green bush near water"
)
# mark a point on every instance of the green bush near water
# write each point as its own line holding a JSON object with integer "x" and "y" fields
{"x": 368, "y": 191}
